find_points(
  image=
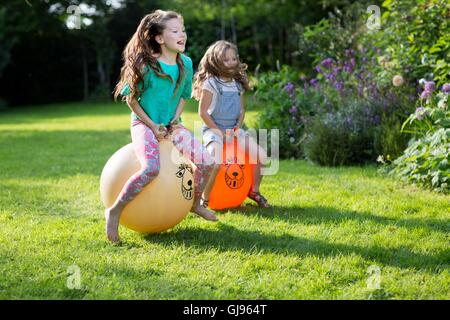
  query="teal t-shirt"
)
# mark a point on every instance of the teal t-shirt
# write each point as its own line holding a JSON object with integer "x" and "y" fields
{"x": 158, "y": 99}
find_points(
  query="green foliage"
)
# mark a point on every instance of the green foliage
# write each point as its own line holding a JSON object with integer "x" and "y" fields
{"x": 330, "y": 37}
{"x": 415, "y": 35}
{"x": 432, "y": 114}
{"x": 344, "y": 137}
{"x": 345, "y": 91}
{"x": 329, "y": 145}
{"x": 270, "y": 93}
{"x": 285, "y": 110}
{"x": 389, "y": 142}
{"x": 426, "y": 161}
{"x": 352, "y": 74}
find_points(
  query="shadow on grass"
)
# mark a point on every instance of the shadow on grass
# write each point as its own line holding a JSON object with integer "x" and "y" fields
{"x": 228, "y": 238}
{"x": 320, "y": 215}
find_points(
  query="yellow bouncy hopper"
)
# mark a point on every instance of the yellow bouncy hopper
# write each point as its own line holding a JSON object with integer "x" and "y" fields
{"x": 164, "y": 202}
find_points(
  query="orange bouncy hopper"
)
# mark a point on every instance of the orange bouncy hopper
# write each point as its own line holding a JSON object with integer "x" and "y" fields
{"x": 234, "y": 179}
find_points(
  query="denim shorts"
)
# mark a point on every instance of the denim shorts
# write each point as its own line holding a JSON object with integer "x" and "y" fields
{"x": 210, "y": 136}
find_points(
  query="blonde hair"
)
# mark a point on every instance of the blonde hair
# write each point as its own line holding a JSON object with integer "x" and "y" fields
{"x": 212, "y": 65}
{"x": 140, "y": 51}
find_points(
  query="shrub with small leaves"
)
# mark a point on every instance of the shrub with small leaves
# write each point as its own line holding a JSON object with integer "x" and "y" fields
{"x": 426, "y": 160}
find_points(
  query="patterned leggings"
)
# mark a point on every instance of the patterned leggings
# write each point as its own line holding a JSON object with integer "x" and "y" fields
{"x": 147, "y": 151}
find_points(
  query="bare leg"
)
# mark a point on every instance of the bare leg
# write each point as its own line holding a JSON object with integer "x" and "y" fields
{"x": 112, "y": 217}
{"x": 257, "y": 178}
{"x": 255, "y": 152}
{"x": 147, "y": 151}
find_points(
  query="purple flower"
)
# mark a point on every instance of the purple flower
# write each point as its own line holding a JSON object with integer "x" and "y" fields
{"x": 313, "y": 82}
{"x": 289, "y": 88}
{"x": 418, "y": 89}
{"x": 446, "y": 88}
{"x": 374, "y": 90}
{"x": 337, "y": 70}
{"x": 330, "y": 76}
{"x": 376, "y": 119}
{"x": 339, "y": 85}
{"x": 420, "y": 113}
{"x": 430, "y": 86}
{"x": 425, "y": 95}
{"x": 293, "y": 110}
{"x": 348, "y": 68}
{"x": 318, "y": 69}
{"x": 327, "y": 63}
{"x": 349, "y": 52}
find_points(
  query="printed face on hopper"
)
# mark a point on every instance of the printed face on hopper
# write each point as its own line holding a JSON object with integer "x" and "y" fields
{"x": 187, "y": 185}
{"x": 234, "y": 176}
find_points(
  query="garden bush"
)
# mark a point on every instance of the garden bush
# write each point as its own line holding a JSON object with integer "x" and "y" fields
{"x": 415, "y": 37}
{"x": 426, "y": 160}
{"x": 276, "y": 90}
{"x": 350, "y": 107}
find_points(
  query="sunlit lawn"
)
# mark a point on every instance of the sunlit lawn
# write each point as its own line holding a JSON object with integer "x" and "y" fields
{"x": 328, "y": 228}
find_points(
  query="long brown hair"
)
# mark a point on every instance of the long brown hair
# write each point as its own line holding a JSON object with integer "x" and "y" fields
{"x": 140, "y": 52}
{"x": 212, "y": 65}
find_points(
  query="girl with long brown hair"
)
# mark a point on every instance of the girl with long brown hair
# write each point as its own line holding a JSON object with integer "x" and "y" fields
{"x": 155, "y": 80}
{"x": 219, "y": 85}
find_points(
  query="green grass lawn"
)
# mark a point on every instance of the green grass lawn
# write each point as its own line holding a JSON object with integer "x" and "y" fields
{"x": 327, "y": 229}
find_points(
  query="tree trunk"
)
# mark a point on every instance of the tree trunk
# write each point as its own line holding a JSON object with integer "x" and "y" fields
{"x": 233, "y": 29}
{"x": 270, "y": 48}
{"x": 85, "y": 72}
{"x": 286, "y": 47}
{"x": 256, "y": 44}
{"x": 281, "y": 48}
{"x": 108, "y": 76}
{"x": 222, "y": 28}
{"x": 101, "y": 70}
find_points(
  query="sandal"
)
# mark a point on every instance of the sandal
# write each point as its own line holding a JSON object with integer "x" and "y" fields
{"x": 204, "y": 203}
{"x": 258, "y": 198}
